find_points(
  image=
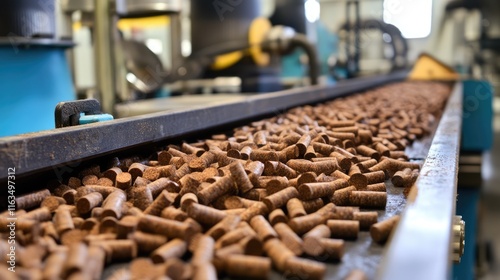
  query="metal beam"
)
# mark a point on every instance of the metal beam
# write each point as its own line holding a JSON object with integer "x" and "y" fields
{"x": 421, "y": 245}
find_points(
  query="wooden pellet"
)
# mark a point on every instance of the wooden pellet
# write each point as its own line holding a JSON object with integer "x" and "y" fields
{"x": 223, "y": 185}
{"x": 343, "y": 229}
{"x": 366, "y": 219}
{"x": 263, "y": 229}
{"x": 112, "y": 205}
{"x": 404, "y": 178}
{"x": 279, "y": 199}
{"x": 381, "y": 231}
{"x": 227, "y": 224}
{"x": 172, "y": 213}
{"x": 297, "y": 267}
{"x": 312, "y": 205}
{"x": 342, "y": 196}
{"x": 205, "y": 271}
{"x": 62, "y": 220}
{"x": 76, "y": 258}
{"x": 295, "y": 208}
{"x": 368, "y": 199}
{"x": 304, "y": 224}
{"x": 310, "y": 191}
{"x": 162, "y": 201}
{"x": 356, "y": 274}
{"x": 278, "y": 253}
{"x": 239, "y": 175}
{"x": 247, "y": 266}
{"x": 168, "y": 228}
{"x": 31, "y": 200}
{"x": 52, "y": 202}
{"x": 86, "y": 203}
{"x": 289, "y": 238}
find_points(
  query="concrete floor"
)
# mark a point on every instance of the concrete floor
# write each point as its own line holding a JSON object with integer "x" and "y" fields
{"x": 490, "y": 205}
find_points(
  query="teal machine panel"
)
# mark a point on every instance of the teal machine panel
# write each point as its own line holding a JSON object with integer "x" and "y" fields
{"x": 34, "y": 79}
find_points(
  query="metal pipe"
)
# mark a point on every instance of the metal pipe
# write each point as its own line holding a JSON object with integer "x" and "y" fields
{"x": 104, "y": 58}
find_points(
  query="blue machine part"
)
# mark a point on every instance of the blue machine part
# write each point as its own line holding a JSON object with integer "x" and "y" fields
{"x": 477, "y": 124}
{"x": 326, "y": 46}
{"x": 33, "y": 81}
{"x": 86, "y": 119}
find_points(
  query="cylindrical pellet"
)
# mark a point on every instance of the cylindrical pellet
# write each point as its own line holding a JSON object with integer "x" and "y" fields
{"x": 239, "y": 175}
{"x": 380, "y": 231}
{"x": 279, "y": 199}
{"x": 240, "y": 266}
{"x": 289, "y": 238}
{"x": 31, "y": 200}
{"x": 343, "y": 229}
{"x": 263, "y": 229}
{"x": 366, "y": 219}
{"x": 368, "y": 199}
{"x": 297, "y": 267}
{"x": 304, "y": 224}
{"x": 87, "y": 202}
{"x": 224, "y": 185}
{"x": 295, "y": 208}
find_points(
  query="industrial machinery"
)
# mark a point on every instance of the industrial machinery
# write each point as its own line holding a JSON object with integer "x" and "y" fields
{"x": 246, "y": 49}
{"x": 427, "y": 216}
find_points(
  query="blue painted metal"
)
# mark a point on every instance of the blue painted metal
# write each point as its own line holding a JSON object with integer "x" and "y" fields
{"x": 33, "y": 81}
{"x": 86, "y": 119}
{"x": 467, "y": 207}
{"x": 477, "y": 124}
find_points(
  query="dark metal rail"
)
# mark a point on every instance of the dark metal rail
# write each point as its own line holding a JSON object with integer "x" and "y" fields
{"x": 33, "y": 152}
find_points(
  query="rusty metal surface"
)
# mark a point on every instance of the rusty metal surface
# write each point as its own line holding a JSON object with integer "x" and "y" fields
{"x": 421, "y": 245}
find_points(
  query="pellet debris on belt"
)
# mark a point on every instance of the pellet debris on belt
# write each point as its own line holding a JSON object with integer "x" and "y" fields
{"x": 278, "y": 194}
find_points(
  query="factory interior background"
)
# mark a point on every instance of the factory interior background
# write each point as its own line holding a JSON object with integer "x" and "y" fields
{"x": 461, "y": 35}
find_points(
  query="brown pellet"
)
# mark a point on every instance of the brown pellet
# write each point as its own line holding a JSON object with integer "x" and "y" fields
{"x": 342, "y": 196}
{"x": 173, "y": 213}
{"x": 404, "y": 178}
{"x": 247, "y": 266}
{"x": 277, "y": 216}
{"x": 239, "y": 175}
{"x": 227, "y": 224}
{"x": 356, "y": 274}
{"x": 381, "y": 231}
{"x": 168, "y": 228}
{"x": 62, "y": 220}
{"x": 368, "y": 199}
{"x": 136, "y": 170}
{"x": 322, "y": 189}
{"x": 162, "y": 201}
{"x": 205, "y": 271}
{"x": 123, "y": 180}
{"x": 86, "y": 203}
{"x": 343, "y": 229}
{"x": 112, "y": 205}
{"x": 76, "y": 258}
{"x": 54, "y": 264}
{"x": 279, "y": 199}
{"x": 324, "y": 248}
{"x": 204, "y": 214}
{"x": 234, "y": 236}
{"x": 312, "y": 205}
{"x": 118, "y": 250}
{"x": 223, "y": 185}
{"x": 146, "y": 242}
{"x": 378, "y": 187}
{"x": 278, "y": 253}
{"x": 366, "y": 219}
{"x": 112, "y": 173}
{"x": 295, "y": 208}
{"x": 296, "y": 267}
{"x": 263, "y": 229}
{"x": 31, "y": 200}
{"x": 289, "y": 238}
{"x": 52, "y": 202}
{"x": 304, "y": 224}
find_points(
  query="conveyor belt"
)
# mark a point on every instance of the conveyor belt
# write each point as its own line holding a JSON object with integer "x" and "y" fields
{"x": 428, "y": 218}
{"x": 44, "y": 150}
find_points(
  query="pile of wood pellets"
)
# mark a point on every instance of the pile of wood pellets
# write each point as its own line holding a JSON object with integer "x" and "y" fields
{"x": 281, "y": 193}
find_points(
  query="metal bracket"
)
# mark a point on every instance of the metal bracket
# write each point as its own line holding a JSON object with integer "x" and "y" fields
{"x": 68, "y": 113}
